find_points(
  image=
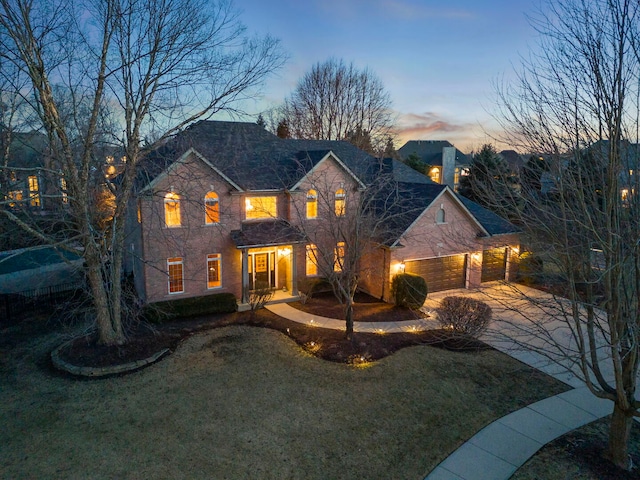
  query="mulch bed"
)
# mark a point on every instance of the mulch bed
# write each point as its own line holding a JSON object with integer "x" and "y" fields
{"x": 328, "y": 344}
{"x": 366, "y": 308}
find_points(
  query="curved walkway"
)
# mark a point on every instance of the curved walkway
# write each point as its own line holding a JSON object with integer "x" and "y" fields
{"x": 496, "y": 451}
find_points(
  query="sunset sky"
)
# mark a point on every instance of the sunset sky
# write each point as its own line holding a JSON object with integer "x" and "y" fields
{"x": 438, "y": 59}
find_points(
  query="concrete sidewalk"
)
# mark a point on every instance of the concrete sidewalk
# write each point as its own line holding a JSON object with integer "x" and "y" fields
{"x": 500, "y": 448}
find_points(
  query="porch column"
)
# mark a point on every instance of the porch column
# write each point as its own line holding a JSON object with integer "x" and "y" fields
{"x": 294, "y": 270}
{"x": 245, "y": 275}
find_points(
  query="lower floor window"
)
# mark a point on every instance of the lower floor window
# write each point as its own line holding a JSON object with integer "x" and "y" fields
{"x": 214, "y": 279}
{"x": 176, "y": 279}
{"x": 311, "y": 264}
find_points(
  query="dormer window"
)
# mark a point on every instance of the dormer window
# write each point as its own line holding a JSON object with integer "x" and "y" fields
{"x": 312, "y": 204}
{"x": 434, "y": 174}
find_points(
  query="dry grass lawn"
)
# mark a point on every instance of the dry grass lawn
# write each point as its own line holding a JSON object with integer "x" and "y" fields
{"x": 243, "y": 402}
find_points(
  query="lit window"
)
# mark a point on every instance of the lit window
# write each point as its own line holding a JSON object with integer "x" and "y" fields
{"x": 434, "y": 174}
{"x": 624, "y": 193}
{"x": 63, "y": 190}
{"x": 456, "y": 178}
{"x": 312, "y": 204}
{"x": 174, "y": 267}
{"x": 214, "y": 279}
{"x": 339, "y": 206}
{"x": 261, "y": 207}
{"x": 631, "y": 173}
{"x": 440, "y": 216}
{"x": 15, "y": 196}
{"x": 109, "y": 159}
{"x": 338, "y": 257}
{"x": 311, "y": 264}
{"x": 211, "y": 208}
{"x": 172, "y": 209}
{"x": 34, "y": 194}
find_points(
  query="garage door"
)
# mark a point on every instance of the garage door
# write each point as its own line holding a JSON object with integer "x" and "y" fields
{"x": 444, "y": 273}
{"x": 494, "y": 264}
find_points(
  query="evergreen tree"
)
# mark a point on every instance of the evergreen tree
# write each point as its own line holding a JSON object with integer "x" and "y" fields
{"x": 488, "y": 171}
{"x": 283, "y": 130}
{"x": 260, "y": 121}
{"x": 413, "y": 161}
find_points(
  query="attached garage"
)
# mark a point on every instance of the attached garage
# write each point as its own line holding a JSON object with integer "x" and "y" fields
{"x": 494, "y": 264}
{"x": 442, "y": 273}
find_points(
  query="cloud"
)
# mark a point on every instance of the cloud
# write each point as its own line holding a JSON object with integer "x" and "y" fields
{"x": 432, "y": 126}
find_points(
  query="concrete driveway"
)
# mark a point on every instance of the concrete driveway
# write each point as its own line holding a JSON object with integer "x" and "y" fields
{"x": 527, "y": 324}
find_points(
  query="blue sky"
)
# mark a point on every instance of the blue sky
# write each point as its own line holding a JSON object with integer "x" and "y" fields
{"x": 438, "y": 59}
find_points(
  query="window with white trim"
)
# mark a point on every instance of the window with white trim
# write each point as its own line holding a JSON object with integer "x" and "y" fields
{"x": 211, "y": 208}
{"x": 339, "y": 204}
{"x": 172, "y": 209}
{"x": 175, "y": 273}
{"x": 214, "y": 272}
{"x": 311, "y": 261}
{"x": 312, "y": 204}
{"x": 338, "y": 257}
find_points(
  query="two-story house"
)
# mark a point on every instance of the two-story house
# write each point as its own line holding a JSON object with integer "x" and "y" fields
{"x": 444, "y": 162}
{"x": 227, "y": 207}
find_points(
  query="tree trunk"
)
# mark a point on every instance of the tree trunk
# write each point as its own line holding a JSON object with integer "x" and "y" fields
{"x": 349, "y": 318}
{"x": 619, "y": 432}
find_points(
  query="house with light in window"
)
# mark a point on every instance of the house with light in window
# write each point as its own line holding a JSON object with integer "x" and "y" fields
{"x": 444, "y": 162}
{"x": 229, "y": 207}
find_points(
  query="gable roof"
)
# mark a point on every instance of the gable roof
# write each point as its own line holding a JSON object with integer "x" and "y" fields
{"x": 492, "y": 222}
{"x": 430, "y": 152}
{"x": 254, "y": 159}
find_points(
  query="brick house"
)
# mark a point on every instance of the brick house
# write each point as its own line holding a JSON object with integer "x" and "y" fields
{"x": 224, "y": 207}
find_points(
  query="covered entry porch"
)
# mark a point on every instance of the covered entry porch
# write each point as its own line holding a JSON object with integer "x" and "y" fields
{"x": 268, "y": 251}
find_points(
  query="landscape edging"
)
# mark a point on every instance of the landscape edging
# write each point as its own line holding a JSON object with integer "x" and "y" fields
{"x": 60, "y": 364}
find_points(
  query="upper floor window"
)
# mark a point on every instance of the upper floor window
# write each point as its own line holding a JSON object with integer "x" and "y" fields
{"x": 176, "y": 278}
{"x": 440, "y": 216}
{"x": 339, "y": 205}
{"x": 434, "y": 174}
{"x": 311, "y": 263}
{"x": 214, "y": 279}
{"x": 312, "y": 204}
{"x": 261, "y": 207}
{"x": 211, "y": 208}
{"x": 338, "y": 260}
{"x": 34, "y": 191}
{"x": 172, "y": 209}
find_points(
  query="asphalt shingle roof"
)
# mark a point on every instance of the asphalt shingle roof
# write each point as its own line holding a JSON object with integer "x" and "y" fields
{"x": 430, "y": 152}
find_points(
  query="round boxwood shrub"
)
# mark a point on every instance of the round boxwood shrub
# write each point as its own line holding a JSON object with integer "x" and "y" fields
{"x": 409, "y": 290}
{"x": 464, "y": 315}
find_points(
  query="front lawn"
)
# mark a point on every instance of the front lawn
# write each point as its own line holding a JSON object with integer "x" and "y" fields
{"x": 243, "y": 402}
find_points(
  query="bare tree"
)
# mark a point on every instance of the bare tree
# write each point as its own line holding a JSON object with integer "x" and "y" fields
{"x": 106, "y": 75}
{"x": 349, "y": 224}
{"x": 335, "y": 101}
{"x": 576, "y": 106}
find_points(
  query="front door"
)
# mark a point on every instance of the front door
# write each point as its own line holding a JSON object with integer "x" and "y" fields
{"x": 261, "y": 270}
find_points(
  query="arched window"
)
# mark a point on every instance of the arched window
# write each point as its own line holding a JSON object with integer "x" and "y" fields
{"x": 340, "y": 202}
{"x": 440, "y": 216}
{"x": 211, "y": 208}
{"x": 172, "y": 209}
{"x": 312, "y": 204}
{"x": 434, "y": 174}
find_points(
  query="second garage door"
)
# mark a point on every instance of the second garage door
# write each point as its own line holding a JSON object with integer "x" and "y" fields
{"x": 443, "y": 273}
{"x": 494, "y": 264}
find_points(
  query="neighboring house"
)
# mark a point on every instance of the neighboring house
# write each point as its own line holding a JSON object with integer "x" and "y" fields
{"x": 220, "y": 208}
{"x": 25, "y": 170}
{"x": 445, "y": 163}
{"x": 514, "y": 160}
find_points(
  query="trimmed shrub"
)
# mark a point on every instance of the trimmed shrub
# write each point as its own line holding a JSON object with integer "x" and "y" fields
{"x": 190, "y": 307}
{"x": 464, "y": 315}
{"x": 530, "y": 268}
{"x": 409, "y": 290}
